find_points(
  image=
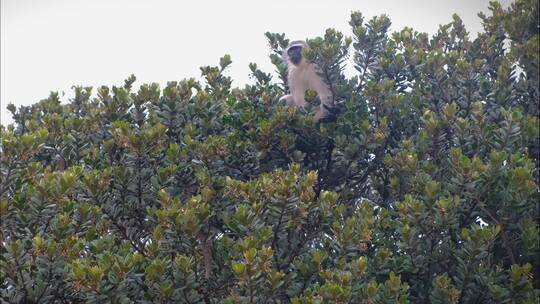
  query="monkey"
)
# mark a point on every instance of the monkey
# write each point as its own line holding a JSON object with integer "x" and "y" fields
{"x": 301, "y": 76}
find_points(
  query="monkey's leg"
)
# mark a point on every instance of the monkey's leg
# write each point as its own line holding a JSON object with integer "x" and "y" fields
{"x": 288, "y": 99}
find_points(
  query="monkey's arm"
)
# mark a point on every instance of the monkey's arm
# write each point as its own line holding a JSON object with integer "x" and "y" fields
{"x": 298, "y": 97}
{"x": 325, "y": 95}
{"x": 322, "y": 89}
{"x": 294, "y": 100}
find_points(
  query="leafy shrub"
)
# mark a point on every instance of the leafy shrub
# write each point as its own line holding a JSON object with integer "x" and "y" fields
{"x": 422, "y": 187}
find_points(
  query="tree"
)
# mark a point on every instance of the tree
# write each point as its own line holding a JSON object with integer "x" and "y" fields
{"x": 421, "y": 187}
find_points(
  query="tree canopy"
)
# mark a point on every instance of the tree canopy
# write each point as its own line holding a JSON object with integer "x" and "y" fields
{"x": 421, "y": 187}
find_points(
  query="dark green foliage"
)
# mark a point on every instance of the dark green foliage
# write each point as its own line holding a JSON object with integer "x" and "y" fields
{"x": 421, "y": 187}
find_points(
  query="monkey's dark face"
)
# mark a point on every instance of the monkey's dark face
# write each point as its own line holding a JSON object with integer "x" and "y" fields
{"x": 295, "y": 54}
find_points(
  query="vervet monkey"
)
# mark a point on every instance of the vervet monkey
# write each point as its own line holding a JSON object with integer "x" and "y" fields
{"x": 302, "y": 75}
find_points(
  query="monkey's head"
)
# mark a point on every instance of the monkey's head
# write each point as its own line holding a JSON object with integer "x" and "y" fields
{"x": 294, "y": 51}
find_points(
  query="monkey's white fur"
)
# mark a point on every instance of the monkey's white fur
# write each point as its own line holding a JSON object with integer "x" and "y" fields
{"x": 303, "y": 76}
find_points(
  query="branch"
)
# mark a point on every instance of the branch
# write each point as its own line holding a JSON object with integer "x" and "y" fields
{"x": 505, "y": 239}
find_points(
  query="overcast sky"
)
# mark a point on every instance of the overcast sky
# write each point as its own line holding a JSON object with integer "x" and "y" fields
{"x": 50, "y": 45}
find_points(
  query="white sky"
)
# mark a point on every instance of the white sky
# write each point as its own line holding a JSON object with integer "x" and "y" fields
{"x": 50, "y": 45}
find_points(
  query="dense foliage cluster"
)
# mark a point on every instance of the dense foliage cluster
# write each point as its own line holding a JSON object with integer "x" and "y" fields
{"x": 422, "y": 187}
